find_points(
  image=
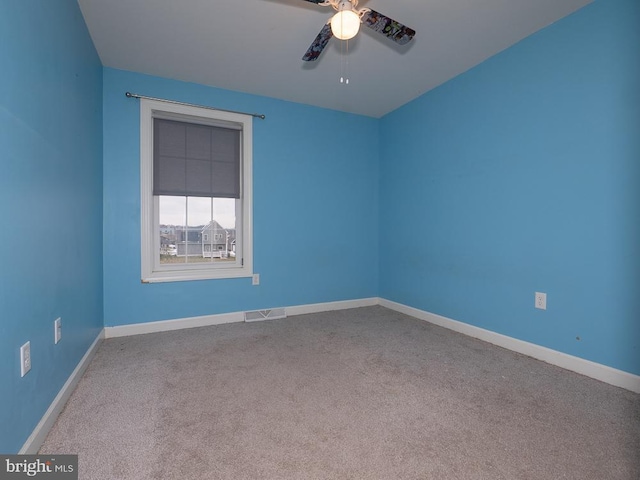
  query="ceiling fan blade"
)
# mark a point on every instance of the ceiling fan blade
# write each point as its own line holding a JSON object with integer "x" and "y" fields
{"x": 388, "y": 27}
{"x": 318, "y": 44}
{"x": 316, "y": 1}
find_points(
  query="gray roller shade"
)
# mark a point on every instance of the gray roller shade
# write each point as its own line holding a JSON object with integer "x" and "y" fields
{"x": 195, "y": 160}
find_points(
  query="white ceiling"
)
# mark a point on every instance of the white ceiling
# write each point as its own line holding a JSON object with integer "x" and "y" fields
{"x": 256, "y": 46}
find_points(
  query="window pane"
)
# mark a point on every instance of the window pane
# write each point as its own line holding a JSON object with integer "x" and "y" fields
{"x": 198, "y": 217}
{"x": 172, "y": 217}
{"x": 197, "y": 229}
{"x": 219, "y": 233}
{"x": 198, "y": 211}
{"x": 223, "y": 229}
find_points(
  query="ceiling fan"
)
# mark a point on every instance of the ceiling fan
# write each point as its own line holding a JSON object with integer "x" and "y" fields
{"x": 346, "y": 23}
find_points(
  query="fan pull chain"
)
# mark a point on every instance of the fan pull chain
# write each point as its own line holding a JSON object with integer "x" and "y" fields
{"x": 344, "y": 62}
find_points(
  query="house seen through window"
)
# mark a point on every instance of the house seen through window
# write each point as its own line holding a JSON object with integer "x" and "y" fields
{"x": 197, "y": 230}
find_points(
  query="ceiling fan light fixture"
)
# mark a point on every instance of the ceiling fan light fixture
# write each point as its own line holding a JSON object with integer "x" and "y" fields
{"x": 345, "y": 24}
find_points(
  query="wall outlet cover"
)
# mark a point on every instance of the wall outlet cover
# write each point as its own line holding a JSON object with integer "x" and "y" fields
{"x": 57, "y": 330}
{"x": 25, "y": 359}
{"x": 541, "y": 300}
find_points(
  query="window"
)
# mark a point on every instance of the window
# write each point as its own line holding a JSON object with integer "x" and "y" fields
{"x": 196, "y": 193}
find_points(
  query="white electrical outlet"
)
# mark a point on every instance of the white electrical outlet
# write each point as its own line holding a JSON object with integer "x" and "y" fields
{"x": 255, "y": 280}
{"x": 541, "y": 301}
{"x": 57, "y": 330}
{"x": 25, "y": 358}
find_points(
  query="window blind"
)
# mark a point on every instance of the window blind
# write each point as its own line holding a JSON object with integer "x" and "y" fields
{"x": 195, "y": 160}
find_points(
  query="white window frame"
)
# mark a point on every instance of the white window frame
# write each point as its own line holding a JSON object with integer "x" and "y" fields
{"x": 152, "y": 270}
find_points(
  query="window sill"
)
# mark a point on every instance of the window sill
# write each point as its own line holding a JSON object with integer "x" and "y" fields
{"x": 190, "y": 275}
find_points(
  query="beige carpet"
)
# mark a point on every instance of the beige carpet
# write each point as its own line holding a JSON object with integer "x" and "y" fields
{"x": 357, "y": 394}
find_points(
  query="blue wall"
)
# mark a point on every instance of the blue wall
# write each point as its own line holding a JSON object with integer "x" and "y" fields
{"x": 315, "y": 207}
{"x": 50, "y": 204}
{"x": 523, "y": 175}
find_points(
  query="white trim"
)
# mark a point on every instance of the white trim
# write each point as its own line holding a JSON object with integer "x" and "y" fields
{"x": 39, "y": 434}
{"x": 176, "y": 324}
{"x": 233, "y": 317}
{"x": 331, "y": 306}
{"x": 612, "y": 376}
{"x": 151, "y": 271}
{"x": 199, "y": 274}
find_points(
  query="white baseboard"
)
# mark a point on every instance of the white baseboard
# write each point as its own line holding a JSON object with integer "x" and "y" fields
{"x": 612, "y": 376}
{"x": 331, "y": 306}
{"x": 177, "y": 324}
{"x": 39, "y": 434}
{"x": 233, "y": 317}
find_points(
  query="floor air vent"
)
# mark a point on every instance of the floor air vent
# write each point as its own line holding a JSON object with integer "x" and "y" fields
{"x": 257, "y": 315}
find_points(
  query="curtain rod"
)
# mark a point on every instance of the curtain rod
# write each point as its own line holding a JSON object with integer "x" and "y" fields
{"x": 135, "y": 95}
